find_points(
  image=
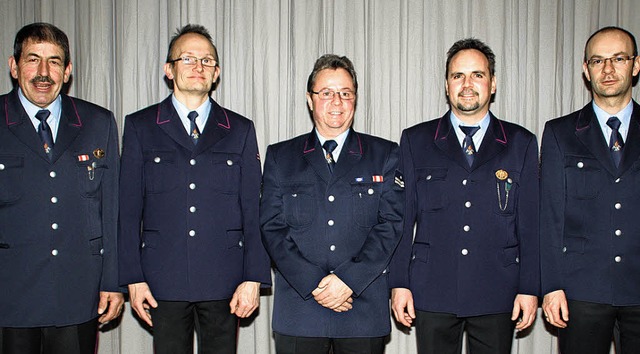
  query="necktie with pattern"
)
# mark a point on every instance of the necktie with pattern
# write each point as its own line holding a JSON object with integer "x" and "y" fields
{"x": 615, "y": 140}
{"x": 329, "y": 146}
{"x": 468, "y": 147}
{"x": 45, "y": 131}
{"x": 194, "y": 132}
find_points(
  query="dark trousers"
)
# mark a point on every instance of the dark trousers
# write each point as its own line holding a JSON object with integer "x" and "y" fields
{"x": 322, "y": 345}
{"x": 76, "y": 339}
{"x": 590, "y": 328}
{"x": 175, "y": 321}
{"x": 442, "y": 333}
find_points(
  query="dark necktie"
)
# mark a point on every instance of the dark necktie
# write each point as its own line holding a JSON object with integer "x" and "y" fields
{"x": 194, "y": 131}
{"x": 45, "y": 131}
{"x": 329, "y": 146}
{"x": 615, "y": 140}
{"x": 467, "y": 144}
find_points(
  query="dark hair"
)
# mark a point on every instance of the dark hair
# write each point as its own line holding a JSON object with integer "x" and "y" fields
{"x": 41, "y": 32}
{"x": 332, "y": 61}
{"x": 611, "y": 29}
{"x": 191, "y": 28}
{"x": 471, "y": 43}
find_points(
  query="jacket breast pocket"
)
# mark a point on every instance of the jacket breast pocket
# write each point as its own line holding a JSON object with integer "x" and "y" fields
{"x": 160, "y": 171}
{"x": 226, "y": 172}
{"x": 583, "y": 177}
{"x": 431, "y": 188}
{"x": 90, "y": 176}
{"x": 365, "y": 198}
{"x": 507, "y": 193}
{"x": 11, "y": 171}
{"x": 298, "y": 204}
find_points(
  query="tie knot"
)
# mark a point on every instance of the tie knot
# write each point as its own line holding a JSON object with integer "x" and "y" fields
{"x": 329, "y": 146}
{"x": 192, "y": 116}
{"x": 614, "y": 123}
{"x": 469, "y": 131}
{"x": 43, "y": 114}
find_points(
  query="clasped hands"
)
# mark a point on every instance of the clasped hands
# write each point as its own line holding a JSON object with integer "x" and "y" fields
{"x": 333, "y": 294}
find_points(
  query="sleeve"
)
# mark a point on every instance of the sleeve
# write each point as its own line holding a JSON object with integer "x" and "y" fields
{"x": 374, "y": 256}
{"x": 552, "y": 205}
{"x": 399, "y": 267}
{"x": 131, "y": 205}
{"x": 300, "y": 273}
{"x": 527, "y": 222}
{"x": 109, "y": 281}
{"x": 256, "y": 261}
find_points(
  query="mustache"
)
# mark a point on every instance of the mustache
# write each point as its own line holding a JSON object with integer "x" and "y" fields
{"x": 466, "y": 92}
{"x": 40, "y": 78}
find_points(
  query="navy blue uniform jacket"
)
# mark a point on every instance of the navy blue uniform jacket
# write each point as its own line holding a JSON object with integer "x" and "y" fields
{"x": 589, "y": 211}
{"x": 57, "y": 218}
{"x": 475, "y": 246}
{"x": 315, "y": 223}
{"x": 189, "y": 213}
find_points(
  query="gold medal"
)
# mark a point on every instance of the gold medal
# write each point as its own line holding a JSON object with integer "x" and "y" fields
{"x": 502, "y": 175}
{"x": 98, "y": 153}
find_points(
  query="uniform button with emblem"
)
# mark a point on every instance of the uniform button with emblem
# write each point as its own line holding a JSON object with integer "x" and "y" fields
{"x": 332, "y": 248}
{"x": 617, "y": 205}
{"x": 384, "y": 271}
{"x": 466, "y": 228}
{"x": 54, "y": 252}
{"x": 229, "y": 163}
{"x": 564, "y": 249}
{"x": 517, "y": 259}
{"x": 240, "y": 243}
{"x": 330, "y": 222}
{"x": 192, "y": 186}
{"x": 618, "y": 232}
{"x": 618, "y": 259}
{"x": 54, "y": 226}
{"x": 192, "y": 162}
{"x": 580, "y": 164}
{"x": 143, "y": 245}
{"x": 192, "y": 233}
{"x": 464, "y": 252}
{"x": 617, "y": 180}
{"x": 464, "y": 182}
{"x": 102, "y": 251}
{"x": 294, "y": 195}
{"x": 54, "y": 200}
{"x": 192, "y": 209}
{"x": 1, "y": 166}
{"x": 467, "y": 204}
{"x": 370, "y": 191}
{"x": 331, "y": 198}
{"x": 428, "y": 177}
{"x": 52, "y": 174}
{"x": 156, "y": 159}
{"x": 413, "y": 257}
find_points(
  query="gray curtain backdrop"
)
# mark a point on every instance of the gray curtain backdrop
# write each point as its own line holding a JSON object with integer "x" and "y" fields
{"x": 268, "y": 47}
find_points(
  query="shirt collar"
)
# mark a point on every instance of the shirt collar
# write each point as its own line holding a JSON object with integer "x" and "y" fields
{"x": 203, "y": 113}
{"x": 478, "y": 136}
{"x": 340, "y": 139}
{"x": 624, "y": 115}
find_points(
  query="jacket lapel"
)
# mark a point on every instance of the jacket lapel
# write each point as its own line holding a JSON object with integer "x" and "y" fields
{"x": 631, "y": 150}
{"x": 590, "y": 135}
{"x": 493, "y": 143}
{"x": 350, "y": 155}
{"x": 314, "y": 155}
{"x": 168, "y": 120}
{"x": 68, "y": 129}
{"x": 447, "y": 142}
{"x": 20, "y": 125}
{"x": 217, "y": 127}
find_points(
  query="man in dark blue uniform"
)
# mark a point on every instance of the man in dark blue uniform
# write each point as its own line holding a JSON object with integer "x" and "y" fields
{"x": 590, "y": 188}
{"x": 58, "y": 205}
{"x": 331, "y": 215}
{"x": 472, "y": 196}
{"x": 190, "y": 187}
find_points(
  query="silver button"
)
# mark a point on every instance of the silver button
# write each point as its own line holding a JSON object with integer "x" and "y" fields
{"x": 331, "y": 271}
{"x": 332, "y": 248}
{"x": 192, "y": 186}
{"x": 54, "y": 226}
{"x": 618, "y": 259}
{"x": 156, "y": 159}
{"x": 330, "y": 223}
{"x": 564, "y": 249}
{"x": 370, "y": 191}
{"x": 617, "y": 180}
{"x": 413, "y": 257}
{"x": 240, "y": 243}
{"x": 467, "y": 204}
{"x": 229, "y": 163}
{"x": 143, "y": 245}
{"x": 54, "y": 200}
{"x": 618, "y": 232}
{"x": 331, "y": 198}
{"x": 52, "y": 174}
{"x": 384, "y": 271}
{"x": 617, "y": 205}
{"x": 580, "y": 164}
{"x": 466, "y": 228}
{"x": 102, "y": 251}
{"x": 54, "y": 252}
{"x": 192, "y": 233}
{"x": 192, "y": 162}
{"x": 192, "y": 209}
{"x": 517, "y": 259}
{"x": 464, "y": 252}
{"x": 294, "y": 195}
{"x": 464, "y": 182}
{"x": 428, "y": 177}
{"x": 1, "y": 166}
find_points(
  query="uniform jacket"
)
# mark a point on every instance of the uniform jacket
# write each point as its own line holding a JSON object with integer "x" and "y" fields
{"x": 476, "y": 235}
{"x": 189, "y": 213}
{"x": 589, "y": 211}
{"x": 57, "y": 219}
{"x": 315, "y": 223}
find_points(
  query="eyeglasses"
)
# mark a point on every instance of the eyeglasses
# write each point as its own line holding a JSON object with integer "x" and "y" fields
{"x": 191, "y": 60}
{"x": 617, "y": 61}
{"x": 326, "y": 95}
